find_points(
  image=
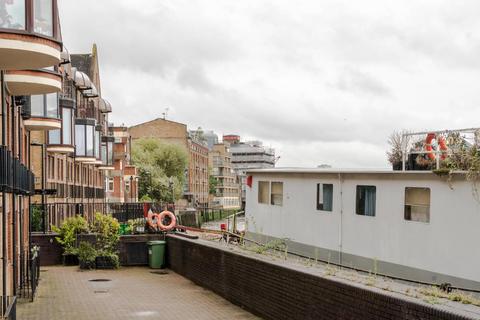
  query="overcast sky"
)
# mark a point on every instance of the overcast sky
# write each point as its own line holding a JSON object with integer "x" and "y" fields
{"x": 321, "y": 81}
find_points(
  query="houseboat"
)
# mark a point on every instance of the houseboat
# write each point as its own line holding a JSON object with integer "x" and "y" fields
{"x": 419, "y": 225}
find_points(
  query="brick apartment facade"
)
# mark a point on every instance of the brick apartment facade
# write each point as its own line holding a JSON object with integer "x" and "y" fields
{"x": 196, "y": 187}
{"x": 121, "y": 182}
{"x": 56, "y": 143}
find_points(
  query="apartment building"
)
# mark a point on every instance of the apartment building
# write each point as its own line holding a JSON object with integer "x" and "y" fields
{"x": 248, "y": 155}
{"x": 72, "y": 158}
{"x": 227, "y": 189}
{"x": 196, "y": 186}
{"x": 30, "y": 49}
{"x": 121, "y": 182}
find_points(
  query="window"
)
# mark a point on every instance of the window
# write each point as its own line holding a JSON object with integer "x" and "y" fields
{"x": 12, "y": 15}
{"x": 109, "y": 184}
{"x": 80, "y": 140}
{"x": 90, "y": 143}
{"x": 324, "y": 197}
{"x": 277, "y": 194}
{"x": 127, "y": 186}
{"x": 54, "y": 136}
{"x": 366, "y": 200}
{"x": 263, "y": 191}
{"x": 44, "y": 17}
{"x": 67, "y": 125}
{"x": 417, "y": 204}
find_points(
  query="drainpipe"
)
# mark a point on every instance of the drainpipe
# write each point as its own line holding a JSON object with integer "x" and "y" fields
{"x": 4, "y": 196}
{"x": 340, "y": 240}
{"x": 14, "y": 202}
{"x": 44, "y": 171}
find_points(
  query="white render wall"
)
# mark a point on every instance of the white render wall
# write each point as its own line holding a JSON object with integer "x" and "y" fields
{"x": 448, "y": 244}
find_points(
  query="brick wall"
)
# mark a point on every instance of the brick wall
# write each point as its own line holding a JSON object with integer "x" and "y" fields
{"x": 50, "y": 250}
{"x": 276, "y": 292}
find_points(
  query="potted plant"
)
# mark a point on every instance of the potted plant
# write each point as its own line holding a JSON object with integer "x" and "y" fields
{"x": 398, "y": 142}
{"x": 67, "y": 237}
{"x": 136, "y": 225}
{"x": 106, "y": 260}
{"x": 107, "y": 229}
{"x": 86, "y": 255}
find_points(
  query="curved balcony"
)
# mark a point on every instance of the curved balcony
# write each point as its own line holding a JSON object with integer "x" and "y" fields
{"x": 30, "y": 35}
{"x": 42, "y": 113}
{"x": 28, "y": 82}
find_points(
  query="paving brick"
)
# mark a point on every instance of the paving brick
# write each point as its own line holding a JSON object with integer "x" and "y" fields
{"x": 132, "y": 293}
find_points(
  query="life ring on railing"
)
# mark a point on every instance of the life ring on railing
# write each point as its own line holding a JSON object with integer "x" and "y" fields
{"x": 151, "y": 217}
{"x": 162, "y": 216}
{"x": 441, "y": 144}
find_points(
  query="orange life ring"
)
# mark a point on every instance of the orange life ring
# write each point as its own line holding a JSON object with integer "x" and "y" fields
{"x": 163, "y": 215}
{"x": 441, "y": 143}
{"x": 150, "y": 217}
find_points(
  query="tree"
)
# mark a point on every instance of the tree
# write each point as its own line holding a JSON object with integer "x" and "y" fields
{"x": 212, "y": 185}
{"x": 161, "y": 169}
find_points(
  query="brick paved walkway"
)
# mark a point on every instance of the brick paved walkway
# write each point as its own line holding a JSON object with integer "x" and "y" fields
{"x": 132, "y": 293}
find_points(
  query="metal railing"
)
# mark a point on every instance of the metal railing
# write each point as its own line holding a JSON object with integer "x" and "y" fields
{"x": 31, "y": 276}
{"x": 14, "y": 175}
{"x": 9, "y": 308}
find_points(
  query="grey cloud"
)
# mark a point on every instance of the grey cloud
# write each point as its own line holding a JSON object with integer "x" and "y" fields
{"x": 194, "y": 77}
{"x": 276, "y": 72}
{"x": 361, "y": 82}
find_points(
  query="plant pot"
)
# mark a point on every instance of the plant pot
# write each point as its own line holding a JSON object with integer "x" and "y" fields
{"x": 397, "y": 166}
{"x": 105, "y": 262}
{"x": 87, "y": 264}
{"x": 70, "y": 260}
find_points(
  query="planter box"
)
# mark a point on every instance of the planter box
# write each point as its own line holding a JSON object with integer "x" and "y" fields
{"x": 104, "y": 263}
{"x": 87, "y": 265}
{"x": 70, "y": 260}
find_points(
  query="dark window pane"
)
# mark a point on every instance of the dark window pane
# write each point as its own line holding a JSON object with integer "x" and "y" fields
{"x": 366, "y": 200}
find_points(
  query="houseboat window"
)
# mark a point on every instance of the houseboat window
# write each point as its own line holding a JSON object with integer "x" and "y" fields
{"x": 366, "y": 200}
{"x": 263, "y": 191}
{"x": 417, "y": 204}
{"x": 277, "y": 194}
{"x": 324, "y": 196}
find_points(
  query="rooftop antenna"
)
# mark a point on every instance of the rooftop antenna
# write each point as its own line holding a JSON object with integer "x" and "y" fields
{"x": 165, "y": 113}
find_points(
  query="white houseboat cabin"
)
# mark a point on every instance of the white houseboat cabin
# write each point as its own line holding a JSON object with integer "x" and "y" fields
{"x": 415, "y": 225}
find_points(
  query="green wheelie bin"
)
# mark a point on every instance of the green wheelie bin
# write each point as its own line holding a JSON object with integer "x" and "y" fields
{"x": 156, "y": 254}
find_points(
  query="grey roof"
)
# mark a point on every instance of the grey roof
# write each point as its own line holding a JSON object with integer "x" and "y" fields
{"x": 336, "y": 171}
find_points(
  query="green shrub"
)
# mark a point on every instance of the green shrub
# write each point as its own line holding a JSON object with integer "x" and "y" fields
{"x": 86, "y": 255}
{"x": 68, "y": 233}
{"x": 107, "y": 229}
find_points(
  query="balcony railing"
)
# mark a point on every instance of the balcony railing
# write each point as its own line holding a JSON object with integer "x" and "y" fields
{"x": 14, "y": 175}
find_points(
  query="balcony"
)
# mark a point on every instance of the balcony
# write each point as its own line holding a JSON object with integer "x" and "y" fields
{"x": 14, "y": 176}
{"x": 28, "y": 82}
{"x": 41, "y": 112}
{"x": 30, "y": 35}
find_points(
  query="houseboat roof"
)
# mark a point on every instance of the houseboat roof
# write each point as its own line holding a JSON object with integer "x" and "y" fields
{"x": 292, "y": 170}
